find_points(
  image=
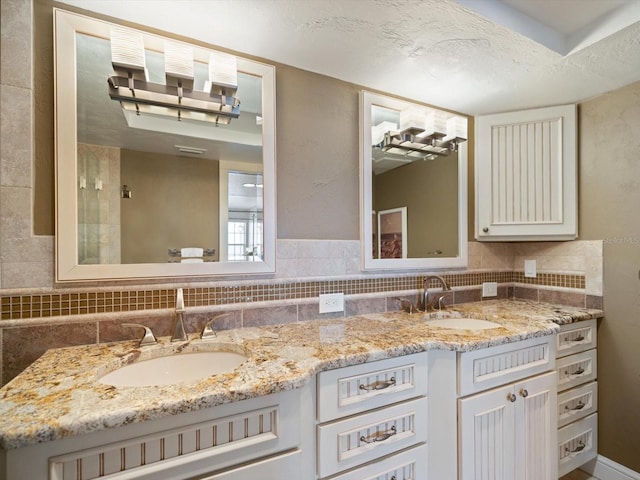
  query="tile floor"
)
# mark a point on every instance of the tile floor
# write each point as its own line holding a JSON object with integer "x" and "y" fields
{"x": 578, "y": 475}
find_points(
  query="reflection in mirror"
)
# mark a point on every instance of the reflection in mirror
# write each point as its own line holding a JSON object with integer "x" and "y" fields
{"x": 414, "y": 185}
{"x": 147, "y": 181}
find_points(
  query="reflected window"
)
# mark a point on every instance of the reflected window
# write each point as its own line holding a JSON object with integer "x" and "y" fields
{"x": 245, "y": 239}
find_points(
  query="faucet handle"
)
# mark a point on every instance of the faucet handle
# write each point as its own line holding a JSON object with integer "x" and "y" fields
{"x": 405, "y": 305}
{"x": 207, "y": 331}
{"x": 148, "y": 339}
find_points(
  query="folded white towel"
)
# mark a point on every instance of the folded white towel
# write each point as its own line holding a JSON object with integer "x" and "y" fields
{"x": 191, "y": 260}
{"x": 191, "y": 252}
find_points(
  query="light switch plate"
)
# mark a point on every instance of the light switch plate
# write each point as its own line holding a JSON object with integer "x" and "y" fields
{"x": 490, "y": 289}
{"x": 530, "y": 268}
{"x": 331, "y": 302}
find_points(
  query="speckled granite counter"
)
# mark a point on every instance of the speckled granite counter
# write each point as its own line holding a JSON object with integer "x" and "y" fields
{"x": 59, "y": 396}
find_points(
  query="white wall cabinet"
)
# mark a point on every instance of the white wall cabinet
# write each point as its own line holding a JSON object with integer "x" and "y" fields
{"x": 526, "y": 175}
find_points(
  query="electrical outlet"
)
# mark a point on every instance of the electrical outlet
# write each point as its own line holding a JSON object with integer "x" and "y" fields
{"x": 490, "y": 289}
{"x": 530, "y": 268}
{"x": 331, "y": 302}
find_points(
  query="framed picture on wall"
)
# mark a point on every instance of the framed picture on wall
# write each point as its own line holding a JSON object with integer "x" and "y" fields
{"x": 392, "y": 233}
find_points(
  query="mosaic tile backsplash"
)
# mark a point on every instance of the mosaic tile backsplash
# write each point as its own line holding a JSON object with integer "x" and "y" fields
{"x": 63, "y": 304}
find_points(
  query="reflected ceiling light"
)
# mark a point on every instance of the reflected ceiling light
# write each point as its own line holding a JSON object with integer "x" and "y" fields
{"x": 176, "y": 97}
{"x": 253, "y": 185}
{"x": 186, "y": 149}
{"x": 424, "y": 133}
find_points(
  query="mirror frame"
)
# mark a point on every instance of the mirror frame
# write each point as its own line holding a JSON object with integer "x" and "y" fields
{"x": 368, "y": 100}
{"x": 66, "y": 26}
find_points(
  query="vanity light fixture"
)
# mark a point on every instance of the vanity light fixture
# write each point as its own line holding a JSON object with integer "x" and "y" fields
{"x": 424, "y": 133}
{"x": 177, "y": 97}
{"x": 253, "y": 185}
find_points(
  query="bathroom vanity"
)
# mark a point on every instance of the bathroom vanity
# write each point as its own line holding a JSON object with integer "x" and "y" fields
{"x": 370, "y": 396}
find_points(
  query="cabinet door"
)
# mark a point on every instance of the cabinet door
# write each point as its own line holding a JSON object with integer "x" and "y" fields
{"x": 536, "y": 425}
{"x": 487, "y": 435}
{"x": 526, "y": 175}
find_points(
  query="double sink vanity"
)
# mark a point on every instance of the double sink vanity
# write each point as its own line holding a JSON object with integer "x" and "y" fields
{"x": 370, "y": 396}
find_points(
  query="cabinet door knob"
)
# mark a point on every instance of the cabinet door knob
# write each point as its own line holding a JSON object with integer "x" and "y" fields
{"x": 485, "y": 229}
{"x": 512, "y": 397}
{"x": 524, "y": 393}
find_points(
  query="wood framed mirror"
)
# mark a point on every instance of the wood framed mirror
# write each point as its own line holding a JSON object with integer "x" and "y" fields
{"x": 421, "y": 192}
{"x": 139, "y": 196}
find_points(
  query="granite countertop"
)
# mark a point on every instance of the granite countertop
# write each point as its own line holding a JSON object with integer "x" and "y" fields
{"x": 59, "y": 396}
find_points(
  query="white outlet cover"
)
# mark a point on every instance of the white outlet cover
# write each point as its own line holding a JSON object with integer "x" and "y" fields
{"x": 530, "y": 268}
{"x": 331, "y": 302}
{"x": 490, "y": 289}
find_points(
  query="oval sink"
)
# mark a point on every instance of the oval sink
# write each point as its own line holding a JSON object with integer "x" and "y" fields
{"x": 462, "y": 323}
{"x": 184, "y": 367}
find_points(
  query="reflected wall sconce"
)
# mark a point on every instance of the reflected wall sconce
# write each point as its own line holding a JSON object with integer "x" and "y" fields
{"x": 177, "y": 97}
{"x": 423, "y": 133}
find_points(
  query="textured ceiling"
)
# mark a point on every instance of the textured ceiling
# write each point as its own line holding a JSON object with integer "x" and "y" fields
{"x": 436, "y": 51}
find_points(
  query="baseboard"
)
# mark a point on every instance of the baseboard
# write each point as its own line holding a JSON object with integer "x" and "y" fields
{"x": 605, "y": 469}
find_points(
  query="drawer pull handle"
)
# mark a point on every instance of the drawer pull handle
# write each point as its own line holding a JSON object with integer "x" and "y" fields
{"x": 524, "y": 392}
{"x": 379, "y": 385}
{"x": 512, "y": 397}
{"x": 380, "y": 437}
{"x": 579, "y": 338}
{"x": 579, "y": 371}
{"x": 581, "y": 446}
{"x": 579, "y": 406}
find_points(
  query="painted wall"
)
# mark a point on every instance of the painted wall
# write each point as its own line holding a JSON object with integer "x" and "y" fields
{"x": 609, "y": 200}
{"x": 425, "y": 188}
{"x": 174, "y": 204}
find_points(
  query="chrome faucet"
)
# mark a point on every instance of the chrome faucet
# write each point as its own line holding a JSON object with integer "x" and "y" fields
{"x": 425, "y": 295}
{"x": 179, "y": 334}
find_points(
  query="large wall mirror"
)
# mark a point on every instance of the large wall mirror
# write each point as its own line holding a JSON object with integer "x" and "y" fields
{"x": 413, "y": 185}
{"x": 165, "y": 156}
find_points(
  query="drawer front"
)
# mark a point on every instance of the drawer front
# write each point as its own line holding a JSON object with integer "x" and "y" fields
{"x": 577, "y": 444}
{"x": 576, "y": 369}
{"x": 223, "y": 441}
{"x": 408, "y": 465}
{"x": 576, "y": 337}
{"x": 287, "y": 466}
{"x": 355, "y": 389}
{"x": 356, "y": 440}
{"x": 491, "y": 367}
{"x": 577, "y": 403}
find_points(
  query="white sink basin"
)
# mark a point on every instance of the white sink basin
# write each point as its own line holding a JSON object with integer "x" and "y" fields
{"x": 183, "y": 367}
{"x": 462, "y": 323}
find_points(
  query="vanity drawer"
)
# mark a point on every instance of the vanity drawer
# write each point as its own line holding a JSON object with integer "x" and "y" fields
{"x": 577, "y": 403}
{"x": 356, "y": 440}
{"x": 576, "y": 337}
{"x": 576, "y": 369}
{"x": 355, "y": 389}
{"x": 409, "y": 464}
{"x": 577, "y": 444}
{"x": 486, "y": 368}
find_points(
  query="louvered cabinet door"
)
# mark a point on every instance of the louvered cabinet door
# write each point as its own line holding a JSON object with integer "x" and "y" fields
{"x": 526, "y": 175}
